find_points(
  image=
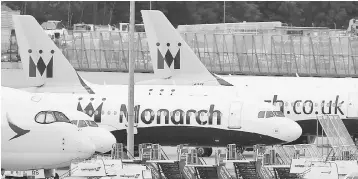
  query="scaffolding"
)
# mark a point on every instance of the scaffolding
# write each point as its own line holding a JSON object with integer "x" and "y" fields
{"x": 225, "y": 53}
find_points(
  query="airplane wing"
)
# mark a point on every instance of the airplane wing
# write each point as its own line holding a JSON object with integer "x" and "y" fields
{"x": 44, "y": 64}
{"x": 174, "y": 62}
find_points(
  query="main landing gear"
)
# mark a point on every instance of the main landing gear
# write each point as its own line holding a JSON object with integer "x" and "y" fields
{"x": 204, "y": 151}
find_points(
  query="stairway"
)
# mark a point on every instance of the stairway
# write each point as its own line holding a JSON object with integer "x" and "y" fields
{"x": 171, "y": 170}
{"x": 155, "y": 170}
{"x": 263, "y": 172}
{"x": 246, "y": 169}
{"x": 284, "y": 173}
{"x": 206, "y": 172}
{"x": 223, "y": 173}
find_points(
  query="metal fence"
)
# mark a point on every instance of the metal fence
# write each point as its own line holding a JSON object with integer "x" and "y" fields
{"x": 222, "y": 53}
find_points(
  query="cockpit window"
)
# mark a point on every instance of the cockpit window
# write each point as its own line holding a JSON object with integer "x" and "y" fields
{"x": 82, "y": 123}
{"x": 50, "y": 118}
{"x": 91, "y": 123}
{"x": 261, "y": 114}
{"x": 40, "y": 118}
{"x": 74, "y": 122}
{"x": 279, "y": 114}
{"x": 47, "y": 117}
{"x": 269, "y": 114}
{"x": 61, "y": 117}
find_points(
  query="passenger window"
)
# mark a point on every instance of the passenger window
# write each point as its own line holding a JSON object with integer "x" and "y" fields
{"x": 82, "y": 123}
{"x": 269, "y": 114}
{"x": 60, "y": 117}
{"x": 261, "y": 114}
{"x": 50, "y": 118}
{"x": 40, "y": 118}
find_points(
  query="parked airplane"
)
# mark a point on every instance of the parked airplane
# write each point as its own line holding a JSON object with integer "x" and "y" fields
{"x": 36, "y": 135}
{"x": 160, "y": 109}
{"x": 300, "y": 99}
{"x": 101, "y": 138}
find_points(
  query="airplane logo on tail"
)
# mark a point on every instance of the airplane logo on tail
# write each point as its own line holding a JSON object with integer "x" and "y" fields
{"x": 40, "y": 66}
{"x": 19, "y": 132}
{"x": 168, "y": 58}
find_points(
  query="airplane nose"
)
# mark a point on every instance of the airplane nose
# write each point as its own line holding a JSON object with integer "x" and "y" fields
{"x": 86, "y": 147}
{"x": 288, "y": 130}
{"x": 101, "y": 138}
{"x": 105, "y": 141}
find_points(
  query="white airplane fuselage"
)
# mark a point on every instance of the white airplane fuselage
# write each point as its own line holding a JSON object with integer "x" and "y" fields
{"x": 303, "y": 98}
{"x": 27, "y": 144}
{"x": 172, "y": 115}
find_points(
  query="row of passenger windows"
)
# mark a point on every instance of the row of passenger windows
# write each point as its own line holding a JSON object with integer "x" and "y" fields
{"x": 90, "y": 112}
{"x": 84, "y": 123}
{"x": 270, "y": 114}
{"x": 47, "y": 117}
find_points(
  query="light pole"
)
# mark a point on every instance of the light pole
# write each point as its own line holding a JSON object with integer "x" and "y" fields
{"x": 224, "y": 11}
{"x": 130, "y": 130}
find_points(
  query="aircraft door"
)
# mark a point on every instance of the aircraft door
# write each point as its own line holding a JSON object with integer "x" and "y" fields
{"x": 352, "y": 105}
{"x": 235, "y": 115}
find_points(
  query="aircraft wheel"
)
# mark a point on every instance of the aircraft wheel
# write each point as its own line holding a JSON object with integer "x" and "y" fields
{"x": 355, "y": 139}
{"x": 240, "y": 149}
{"x": 49, "y": 173}
{"x": 209, "y": 151}
{"x": 201, "y": 151}
{"x": 204, "y": 152}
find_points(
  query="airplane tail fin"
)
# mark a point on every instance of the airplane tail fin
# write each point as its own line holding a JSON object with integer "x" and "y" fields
{"x": 173, "y": 59}
{"x": 43, "y": 62}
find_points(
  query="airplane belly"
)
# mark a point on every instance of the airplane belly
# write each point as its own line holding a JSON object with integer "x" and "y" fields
{"x": 25, "y": 161}
{"x": 309, "y": 127}
{"x": 196, "y": 136}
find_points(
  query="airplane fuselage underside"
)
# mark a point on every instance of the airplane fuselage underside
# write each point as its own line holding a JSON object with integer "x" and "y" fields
{"x": 22, "y": 161}
{"x": 195, "y": 136}
{"x": 309, "y": 127}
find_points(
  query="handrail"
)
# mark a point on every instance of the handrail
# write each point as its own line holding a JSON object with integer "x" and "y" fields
{"x": 202, "y": 160}
{"x": 131, "y": 155}
{"x": 166, "y": 156}
{"x": 69, "y": 172}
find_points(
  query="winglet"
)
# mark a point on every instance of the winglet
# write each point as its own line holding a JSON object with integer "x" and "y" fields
{"x": 172, "y": 57}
